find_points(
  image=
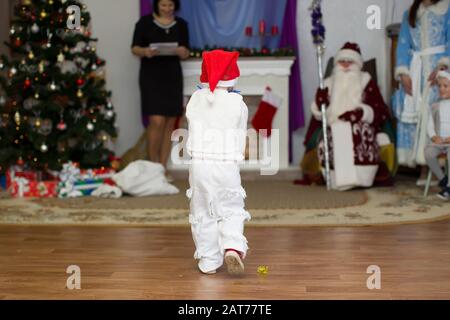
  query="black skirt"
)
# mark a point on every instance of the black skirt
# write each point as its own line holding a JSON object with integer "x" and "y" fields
{"x": 161, "y": 84}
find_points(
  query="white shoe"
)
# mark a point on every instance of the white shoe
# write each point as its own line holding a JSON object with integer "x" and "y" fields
{"x": 205, "y": 267}
{"x": 234, "y": 262}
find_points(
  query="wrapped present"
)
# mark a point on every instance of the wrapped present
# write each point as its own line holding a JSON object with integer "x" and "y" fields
{"x": 103, "y": 173}
{"x": 22, "y": 187}
{"x": 18, "y": 172}
{"x": 76, "y": 182}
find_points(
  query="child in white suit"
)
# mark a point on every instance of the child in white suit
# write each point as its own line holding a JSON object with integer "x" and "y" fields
{"x": 439, "y": 134}
{"x": 217, "y": 119}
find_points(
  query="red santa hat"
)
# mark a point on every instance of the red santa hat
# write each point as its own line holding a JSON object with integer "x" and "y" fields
{"x": 350, "y": 51}
{"x": 220, "y": 69}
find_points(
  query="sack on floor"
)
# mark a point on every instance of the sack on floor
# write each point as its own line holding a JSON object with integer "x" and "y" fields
{"x": 144, "y": 178}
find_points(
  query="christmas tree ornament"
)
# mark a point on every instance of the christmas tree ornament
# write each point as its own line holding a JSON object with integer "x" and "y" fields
{"x": 2, "y": 65}
{"x": 41, "y": 67}
{"x": 50, "y": 2}
{"x": 90, "y": 126}
{"x": 37, "y": 123}
{"x": 13, "y": 71}
{"x": 46, "y": 127}
{"x": 27, "y": 83}
{"x": 52, "y": 86}
{"x": 31, "y": 55}
{"x": 35, "y": 28}
{"x": 109, "y": 114}
{"x": 44, "y": 148}
{"x": 43, "y": 14}
{"x": 61, "y": 125}
{"x": 17, "y": 118}
{"x": 18, "y": 42}
{"x": 2, "y": 101}
{"x": 94, "y": 67}
{"x": 80, "y": 82}
{"x": 36, "y": 95}
{"x": 60, "y": 57}
{"x": 20, "y": 161}
{"x": 109, "y": 105}
{"x": 12, "y": 31}
{"x": 80, "y": 93}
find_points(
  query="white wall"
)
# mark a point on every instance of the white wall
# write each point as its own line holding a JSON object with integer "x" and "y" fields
{"x": 345, "y": 20}
{"x": 113, "y": 24}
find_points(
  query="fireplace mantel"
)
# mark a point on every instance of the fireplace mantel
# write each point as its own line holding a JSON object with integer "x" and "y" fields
{"x": 256, "y": 74}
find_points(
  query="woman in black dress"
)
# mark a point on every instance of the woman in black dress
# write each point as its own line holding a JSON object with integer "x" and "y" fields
{"x": 161, "y": 78}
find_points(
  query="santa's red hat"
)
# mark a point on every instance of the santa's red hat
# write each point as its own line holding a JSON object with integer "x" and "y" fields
{"x": 350, "y": 51}
{"x": 220, "y": 69}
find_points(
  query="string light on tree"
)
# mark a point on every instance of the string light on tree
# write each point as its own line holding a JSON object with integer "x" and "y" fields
{"x": 35, "y": 28}
{"x": 17, "y": 118}
{"x": 60, "y": 57}
{"x": 90, "y": 126}
{"x": 44, "y": 148}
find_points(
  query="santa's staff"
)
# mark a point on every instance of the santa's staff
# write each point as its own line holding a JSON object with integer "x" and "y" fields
{"x": 318, "y": 33}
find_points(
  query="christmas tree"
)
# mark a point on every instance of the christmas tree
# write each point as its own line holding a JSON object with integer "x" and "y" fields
{"x": 54, "y": 106}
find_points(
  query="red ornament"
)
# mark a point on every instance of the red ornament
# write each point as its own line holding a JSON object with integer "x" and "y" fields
{"x": 80, "y": 82}
{"x": 18, "y": 42}
{"x": 27, "y": 83}
{"x": 61, "y": 126}
{"x": 99, "y": 62}
{"x": 20, "y": 162}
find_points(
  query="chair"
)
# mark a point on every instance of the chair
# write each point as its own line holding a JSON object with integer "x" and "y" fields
{"x": 442, "y": 157}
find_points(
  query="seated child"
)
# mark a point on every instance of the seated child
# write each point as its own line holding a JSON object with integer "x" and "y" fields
{"x": 439, "y": 134}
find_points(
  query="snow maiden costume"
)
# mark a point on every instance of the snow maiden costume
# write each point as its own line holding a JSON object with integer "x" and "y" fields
{"x": 217, "y": 122}
{"x": 420, "y": 50}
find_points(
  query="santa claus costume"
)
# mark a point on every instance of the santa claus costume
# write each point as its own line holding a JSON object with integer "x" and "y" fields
{"x": 217, "y": 119}
{"x": 355, "y": 114}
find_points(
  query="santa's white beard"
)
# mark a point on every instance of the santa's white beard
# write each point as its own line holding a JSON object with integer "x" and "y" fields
{"x": 346, "y": 92}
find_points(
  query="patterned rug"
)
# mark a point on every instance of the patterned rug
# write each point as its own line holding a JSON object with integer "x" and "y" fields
{"x": 270, "y": 204}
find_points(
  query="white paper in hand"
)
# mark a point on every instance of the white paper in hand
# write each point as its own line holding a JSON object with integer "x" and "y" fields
{"x": 165, "y": 48}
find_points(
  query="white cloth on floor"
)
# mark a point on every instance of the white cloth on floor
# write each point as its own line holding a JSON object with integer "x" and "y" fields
{"x": 144, "y": 178}
{"x": 107, "y": 191}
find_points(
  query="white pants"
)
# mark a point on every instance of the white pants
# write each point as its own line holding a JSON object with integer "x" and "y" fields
{"x": 217, "y": 213}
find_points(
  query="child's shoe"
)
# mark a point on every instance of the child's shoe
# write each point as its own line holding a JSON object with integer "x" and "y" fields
{"x": 206, "y": 266}
{"x": 443, "y": 183}
{"x": 234, "y": 262}
{"x": 444, "y": 194}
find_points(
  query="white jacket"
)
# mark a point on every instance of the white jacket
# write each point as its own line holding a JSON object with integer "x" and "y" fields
{"x": 217, "y": 129}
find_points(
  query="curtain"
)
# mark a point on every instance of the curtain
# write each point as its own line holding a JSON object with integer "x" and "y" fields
{"x": 222, "y": 23}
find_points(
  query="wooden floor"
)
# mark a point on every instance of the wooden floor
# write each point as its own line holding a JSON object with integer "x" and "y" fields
{"x": 157, "y": 263}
